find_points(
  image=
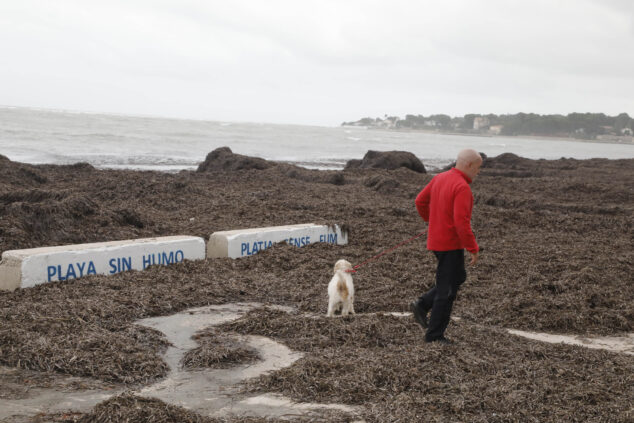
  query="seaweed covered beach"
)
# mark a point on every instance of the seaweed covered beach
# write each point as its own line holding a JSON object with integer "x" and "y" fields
{"x": 558, "y": 258}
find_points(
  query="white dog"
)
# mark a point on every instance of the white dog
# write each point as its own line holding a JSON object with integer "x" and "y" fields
{"x": 341, "y": 290}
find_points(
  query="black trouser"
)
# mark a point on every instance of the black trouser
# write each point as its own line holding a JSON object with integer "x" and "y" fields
{"x": 450, "y": 274}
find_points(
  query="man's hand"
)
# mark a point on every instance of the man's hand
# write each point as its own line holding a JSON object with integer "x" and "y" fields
{"x": 474, "y": 258}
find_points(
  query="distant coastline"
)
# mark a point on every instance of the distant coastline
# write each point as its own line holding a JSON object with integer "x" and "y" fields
{"x": 623, "y": 140}
{"x": 586, "y": 127}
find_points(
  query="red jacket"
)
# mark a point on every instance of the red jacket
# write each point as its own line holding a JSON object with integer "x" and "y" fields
{"x": 446, "y": 203}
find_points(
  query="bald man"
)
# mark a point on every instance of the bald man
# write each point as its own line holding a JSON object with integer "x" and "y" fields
{"x": 446, "y": 204}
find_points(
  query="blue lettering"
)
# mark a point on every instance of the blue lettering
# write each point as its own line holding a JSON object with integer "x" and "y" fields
{"x": 269, "y": 244}
{"x": 332, "y": 238}
{"x": 70, "y": 272}
{"x": 244, "y": 248}
{"x": 182, "y": 256}
{"x": 146, "y": 261}
{"x": 255, "y": 248}
{"x": 52, "y": 271}
{"x": 126, "y": 264}
{"x": 81, "y": 266}
{"x": 322, "y": 238}
{"x": 307, "y": 240}
{"x": 112, "y": 265}
{"x": 260, "y": 245}
{"x": 168, "y": 259}
{"x": 59, "y": 273}
{"x": 91, "y": 268}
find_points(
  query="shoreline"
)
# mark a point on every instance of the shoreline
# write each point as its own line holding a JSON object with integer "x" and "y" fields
{"x": 432, "y": 165}
{"x": 529, "y": 137}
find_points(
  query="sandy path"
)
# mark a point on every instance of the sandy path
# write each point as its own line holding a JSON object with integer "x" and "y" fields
{"x": 213, "y": 392}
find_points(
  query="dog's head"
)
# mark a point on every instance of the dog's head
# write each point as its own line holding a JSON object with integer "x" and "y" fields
{"x": 342, "y": 265}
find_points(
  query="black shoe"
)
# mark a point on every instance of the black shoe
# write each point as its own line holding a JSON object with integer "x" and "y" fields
{"x": 419, "y": 315}
{"x": 441, "y": 340}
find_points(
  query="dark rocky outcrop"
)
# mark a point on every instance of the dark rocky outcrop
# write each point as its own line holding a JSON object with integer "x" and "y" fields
{"x": 387, "y": 160}
{"x": 507, "y": 160}
{"x": 223, "y": 159}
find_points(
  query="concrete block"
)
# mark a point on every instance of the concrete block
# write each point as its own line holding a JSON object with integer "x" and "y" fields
{"x": 30, "y": 267}
{"x": 246, "y": 242}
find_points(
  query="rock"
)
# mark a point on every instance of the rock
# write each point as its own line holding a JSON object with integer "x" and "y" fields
{"x": 223, "y": 159}
{"x": 387, "y": 160}
{"x": 506, "y": 160}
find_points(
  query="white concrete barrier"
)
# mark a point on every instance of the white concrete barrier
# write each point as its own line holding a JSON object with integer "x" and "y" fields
{"x": 246, "y": 242}
{"x": 25, "y": 268}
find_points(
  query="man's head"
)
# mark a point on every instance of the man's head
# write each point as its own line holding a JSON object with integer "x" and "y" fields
{"x": 469, "y": 162}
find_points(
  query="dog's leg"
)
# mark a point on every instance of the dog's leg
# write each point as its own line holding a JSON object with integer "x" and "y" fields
{"x": 346, "y": 308}
{"x": 351, "y": 305}
{"x": 331, "y": 309}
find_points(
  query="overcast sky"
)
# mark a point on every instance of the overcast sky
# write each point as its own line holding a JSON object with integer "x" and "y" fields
{"x": 317, "y": 62}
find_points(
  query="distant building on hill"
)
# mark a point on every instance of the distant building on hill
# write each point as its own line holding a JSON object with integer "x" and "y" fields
{"x": 495, "y": 129}
{"x": 481, "y": 122}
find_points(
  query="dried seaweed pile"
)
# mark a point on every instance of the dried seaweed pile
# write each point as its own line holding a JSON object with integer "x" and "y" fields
{"x": 217, "y": 350}
{"x": 66, "y": 344}
{"x": 487, "y": 376}
{"x": 85, "y": 327}
{"x": 558, "y": 257}
{"x": 129, "y": 408}
{"x": 18, "y": 383}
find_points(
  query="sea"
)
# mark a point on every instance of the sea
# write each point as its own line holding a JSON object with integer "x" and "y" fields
{"x": 112, "y": 141}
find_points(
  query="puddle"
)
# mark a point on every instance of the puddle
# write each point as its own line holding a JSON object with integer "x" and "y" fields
{"x": 210, "y": 392}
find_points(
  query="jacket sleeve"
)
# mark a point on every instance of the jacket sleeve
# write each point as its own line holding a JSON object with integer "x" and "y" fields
{"x": 422, "y": 201}
{"x": 462, "y": 207}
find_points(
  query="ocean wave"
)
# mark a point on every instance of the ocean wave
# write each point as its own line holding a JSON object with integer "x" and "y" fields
{"x": 108, "y": 160}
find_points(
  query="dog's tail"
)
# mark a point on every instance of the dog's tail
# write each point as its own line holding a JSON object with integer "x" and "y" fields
{"x": 342, "y": 288}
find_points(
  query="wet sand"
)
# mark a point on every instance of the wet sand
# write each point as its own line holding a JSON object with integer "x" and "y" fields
{"x": 557, "y": 238}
